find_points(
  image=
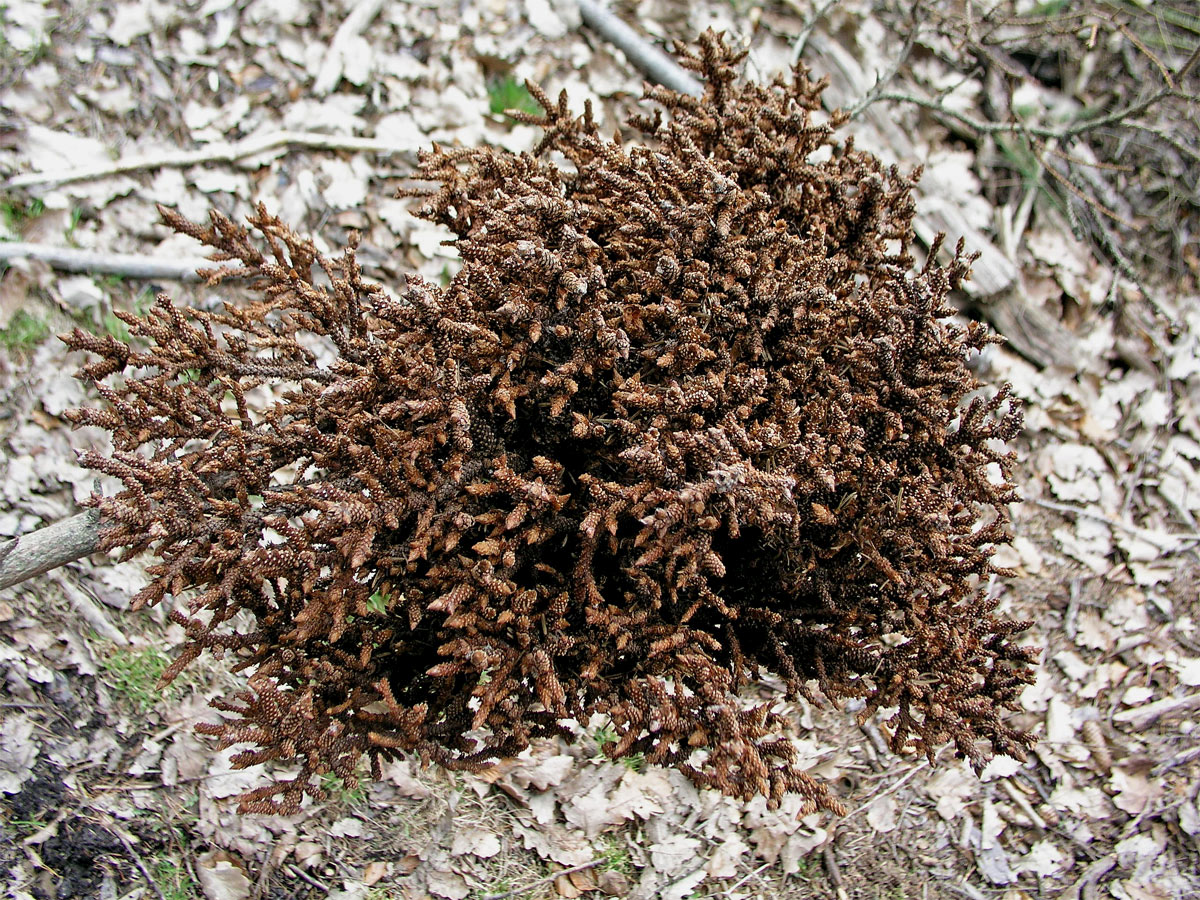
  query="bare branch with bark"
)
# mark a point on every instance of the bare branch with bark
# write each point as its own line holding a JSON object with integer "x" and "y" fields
{"x": 48, "y": 548}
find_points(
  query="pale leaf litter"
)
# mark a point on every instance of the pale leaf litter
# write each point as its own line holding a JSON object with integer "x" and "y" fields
{"x": 1105, "y": 549}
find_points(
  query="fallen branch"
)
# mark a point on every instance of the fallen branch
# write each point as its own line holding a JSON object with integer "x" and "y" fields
{"x": 1142, "y": 717}
{"x": 219, "y": 152}
{"x": 48, "y": 548}
{"x": 126, "y": 265}
{"x": 647, "y": 58}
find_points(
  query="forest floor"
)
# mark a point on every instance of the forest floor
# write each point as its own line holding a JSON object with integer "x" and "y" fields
{"x": 1062, "y": 139}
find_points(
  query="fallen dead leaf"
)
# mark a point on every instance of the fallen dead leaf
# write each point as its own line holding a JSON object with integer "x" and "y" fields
{"x": 566, "y": 888}
{"x": 308, "y": 854}
{"x": 347, "y": 827}
{"x": 18, "y": 752}
{"x": 475, "y": 840}
{"x": 222, "y": 876}
{"x": 584, "y": 879}
{"x": 408, "y": 864}
{"x": 724, "y": 860}
{"x": 448, "y": 884}
{"x": 881, "y": 813}
{"x": 614, "y": 884}
{"x": 1133, "y": 792}
{"x": 669, "y": 856}
{"x": 374, "y": 872}
{"x": 1044, "y": 859}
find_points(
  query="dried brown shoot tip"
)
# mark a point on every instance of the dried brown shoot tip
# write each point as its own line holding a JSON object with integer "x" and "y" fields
{"x": 684, "y": 416}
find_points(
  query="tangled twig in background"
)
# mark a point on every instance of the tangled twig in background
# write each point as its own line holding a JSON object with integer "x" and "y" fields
{"x": 1121, "y": 148}
{"x": 684, "y": 415}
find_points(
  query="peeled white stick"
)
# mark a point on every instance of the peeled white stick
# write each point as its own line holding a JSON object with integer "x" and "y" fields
{"x": 48, "y": 548}
{"x": 652, "y": 62}
{"x": 124, "y": 264}
{"x": 277, "y": 143}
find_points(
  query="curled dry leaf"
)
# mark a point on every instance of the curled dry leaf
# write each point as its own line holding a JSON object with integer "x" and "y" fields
{"x": 222, "y": 876}
{"x": 882, "y": 813}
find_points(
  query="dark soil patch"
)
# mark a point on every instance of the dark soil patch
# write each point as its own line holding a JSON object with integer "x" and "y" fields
{"x": 79, "y": 855}
{"x": 39, "y": 799}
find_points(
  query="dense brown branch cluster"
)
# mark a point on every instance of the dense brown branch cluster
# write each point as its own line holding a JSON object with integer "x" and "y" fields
{"x": 684, "y": 416}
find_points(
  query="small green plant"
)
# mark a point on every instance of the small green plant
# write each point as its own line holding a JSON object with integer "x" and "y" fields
{"x": 69, "y": 232}
{"x": 634, "y": 762}
{"x": 614, "y": 856}
{"x": 16, "y": 213}
{"x": 1049, "y": 8}
{"x": 1020, "y": 155}
{"x": 24, "y": 332}
{"x": 173, "y": 880}
{"x": 505, "y": 93}
{"x": 134, "y": 674}
{"x": 377, "y": 603}
{"x": 26, "y": 827}
{"x": 114, "y": 326}
{"x": 604, "y": 735}
{"x": 339, "y": 793}
{"x": 109, "y": 320}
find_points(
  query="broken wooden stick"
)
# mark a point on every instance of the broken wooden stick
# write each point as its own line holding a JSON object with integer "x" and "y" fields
{"x": 126, "y": 265}
{"x": 643, "y": 55}
{"x": 48, "y": 548}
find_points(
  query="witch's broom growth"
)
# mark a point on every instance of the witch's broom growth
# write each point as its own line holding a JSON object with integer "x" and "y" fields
{"x": 685, "y": 415}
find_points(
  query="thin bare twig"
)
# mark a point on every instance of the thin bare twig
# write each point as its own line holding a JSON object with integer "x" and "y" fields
{"x": 1136, "y": 530}
{"x": 737, "y": 884}
{"x": 1179, "y": 759}
{"x": 883, "y": 80}
{"x": 1141, "y": 717}
{"x": 1146, "y": 52}
{"x": 222, "y": 152}
{"x": 112, "y": 828}
{"x": 1186, "y": 69}
{"x": 1060, "y": 134}
{"x": 304, "y": 876}
{"x": 831, "y": 868}
{"x": 1085, "y": 198}
{"x": 810, "y": 23}
{"x": 534, "y": 884}
{"x": 889, "y": 790}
